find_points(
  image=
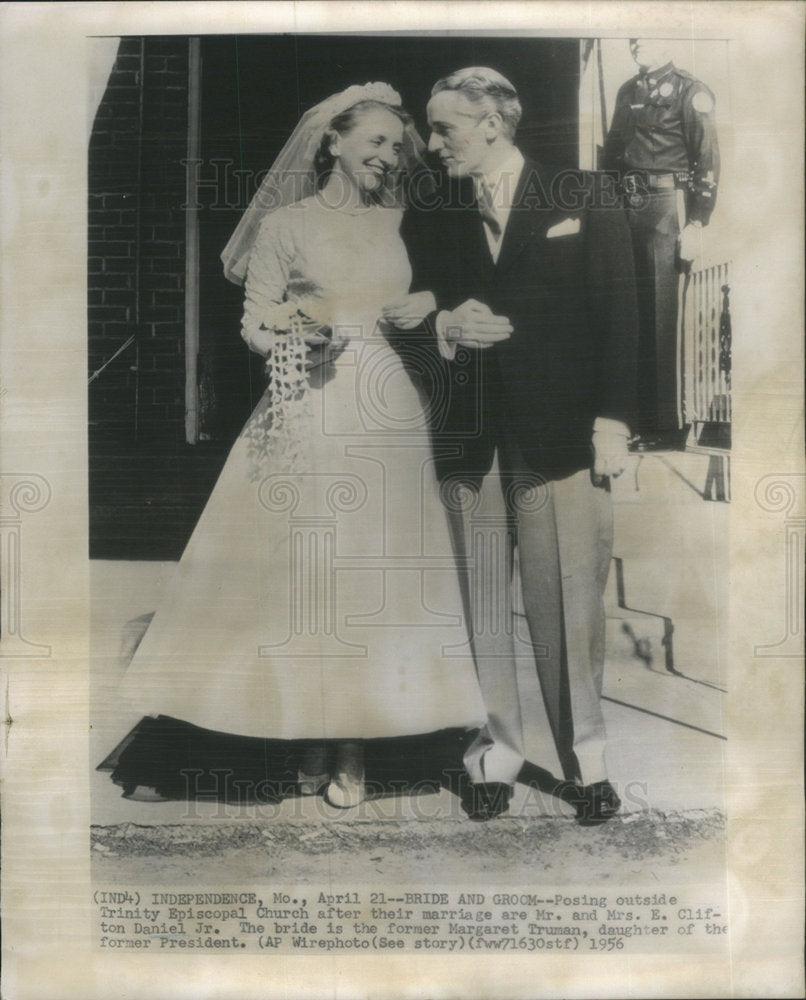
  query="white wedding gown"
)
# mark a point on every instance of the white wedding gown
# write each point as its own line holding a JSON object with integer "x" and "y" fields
{"x": 318, "y": 597}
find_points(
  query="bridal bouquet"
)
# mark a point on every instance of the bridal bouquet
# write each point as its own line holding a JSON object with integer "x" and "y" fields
{"x": 276, "y": 430}
{"x": 289, "y": 317}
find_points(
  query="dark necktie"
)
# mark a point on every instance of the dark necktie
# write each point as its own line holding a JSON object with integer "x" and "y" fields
{"x": 486, "y": 210}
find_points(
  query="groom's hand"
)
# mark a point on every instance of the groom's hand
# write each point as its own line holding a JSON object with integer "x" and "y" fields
{"x": 610, "y": 439}
{"x": 472, "y": 324}
{"x": 410, "y": 311}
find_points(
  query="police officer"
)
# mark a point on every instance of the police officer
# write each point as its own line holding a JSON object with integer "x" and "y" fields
{"x": 663, "y": 143}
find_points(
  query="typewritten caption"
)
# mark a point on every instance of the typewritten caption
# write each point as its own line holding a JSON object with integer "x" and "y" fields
{"x": 315, "y": 921}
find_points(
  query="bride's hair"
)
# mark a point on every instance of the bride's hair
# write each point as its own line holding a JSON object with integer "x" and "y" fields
{"x": 342, "y": 124}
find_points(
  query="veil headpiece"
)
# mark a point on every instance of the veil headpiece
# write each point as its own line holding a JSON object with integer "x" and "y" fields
{"x": 292, "y": 176}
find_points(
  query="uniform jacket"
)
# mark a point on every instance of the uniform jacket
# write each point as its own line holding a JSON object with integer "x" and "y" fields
{"x": 565, "y": 279}
{"x": 664, "y": 122}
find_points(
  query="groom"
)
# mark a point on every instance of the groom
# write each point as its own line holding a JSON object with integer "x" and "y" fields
{"x": 536, "y": 325}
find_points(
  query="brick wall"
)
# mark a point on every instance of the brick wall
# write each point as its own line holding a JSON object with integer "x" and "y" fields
{"x": 136, "y": 242}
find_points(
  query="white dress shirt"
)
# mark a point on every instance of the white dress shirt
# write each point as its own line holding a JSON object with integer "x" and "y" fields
{"x": 501, "y": 183}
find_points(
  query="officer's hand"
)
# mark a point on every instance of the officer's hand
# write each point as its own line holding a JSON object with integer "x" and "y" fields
{"x": 410, "y": 311}
{"x": 473, "y": 324}
{"x": 610, "y": 450}
{"x": 690, "y": 243}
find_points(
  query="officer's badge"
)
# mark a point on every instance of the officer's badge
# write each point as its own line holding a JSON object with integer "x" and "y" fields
{"x": 702, "y": 102}
{"x": 666, "y": 89}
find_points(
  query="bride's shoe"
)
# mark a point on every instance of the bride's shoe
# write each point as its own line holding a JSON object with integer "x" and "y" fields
{"x": 313, "y": 774}
{"x": 347, "y": 790}
{"x": 311, "y": 784}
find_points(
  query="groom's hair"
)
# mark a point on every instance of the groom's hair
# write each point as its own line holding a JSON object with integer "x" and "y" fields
{"x": 482, "y": 85}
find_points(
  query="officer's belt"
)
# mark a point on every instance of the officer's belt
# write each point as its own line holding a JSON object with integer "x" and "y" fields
{"x": 662, "y": 182}
{"x": 658, "y": 182}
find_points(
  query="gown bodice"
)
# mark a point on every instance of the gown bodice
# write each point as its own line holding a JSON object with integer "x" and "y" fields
{"x": 340, "y": 266}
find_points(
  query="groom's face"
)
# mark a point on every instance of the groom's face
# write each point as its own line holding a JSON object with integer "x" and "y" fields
{"x": 458, "y": 133}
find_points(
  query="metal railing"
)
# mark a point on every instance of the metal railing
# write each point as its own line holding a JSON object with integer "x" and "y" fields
{"x": 706, "y": 346}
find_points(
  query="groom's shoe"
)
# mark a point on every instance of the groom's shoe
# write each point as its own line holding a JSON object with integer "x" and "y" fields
{"x": 596, "y": 803}
{"x": 485, "y": 801}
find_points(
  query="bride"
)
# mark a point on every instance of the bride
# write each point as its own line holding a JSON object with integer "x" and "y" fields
{"x": 318, "y": 597}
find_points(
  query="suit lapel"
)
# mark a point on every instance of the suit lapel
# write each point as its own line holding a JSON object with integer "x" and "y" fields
{"x": 471, "y": 239}
{"x": 531, "y": 215}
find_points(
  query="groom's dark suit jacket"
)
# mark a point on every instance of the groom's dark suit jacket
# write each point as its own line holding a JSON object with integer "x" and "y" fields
{"x": 565, "y": 279}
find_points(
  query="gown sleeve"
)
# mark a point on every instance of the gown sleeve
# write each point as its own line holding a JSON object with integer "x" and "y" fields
{"x": 267, "y": 276}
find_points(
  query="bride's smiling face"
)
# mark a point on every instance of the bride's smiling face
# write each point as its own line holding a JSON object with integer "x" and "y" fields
{"x": 370, "y": 150}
